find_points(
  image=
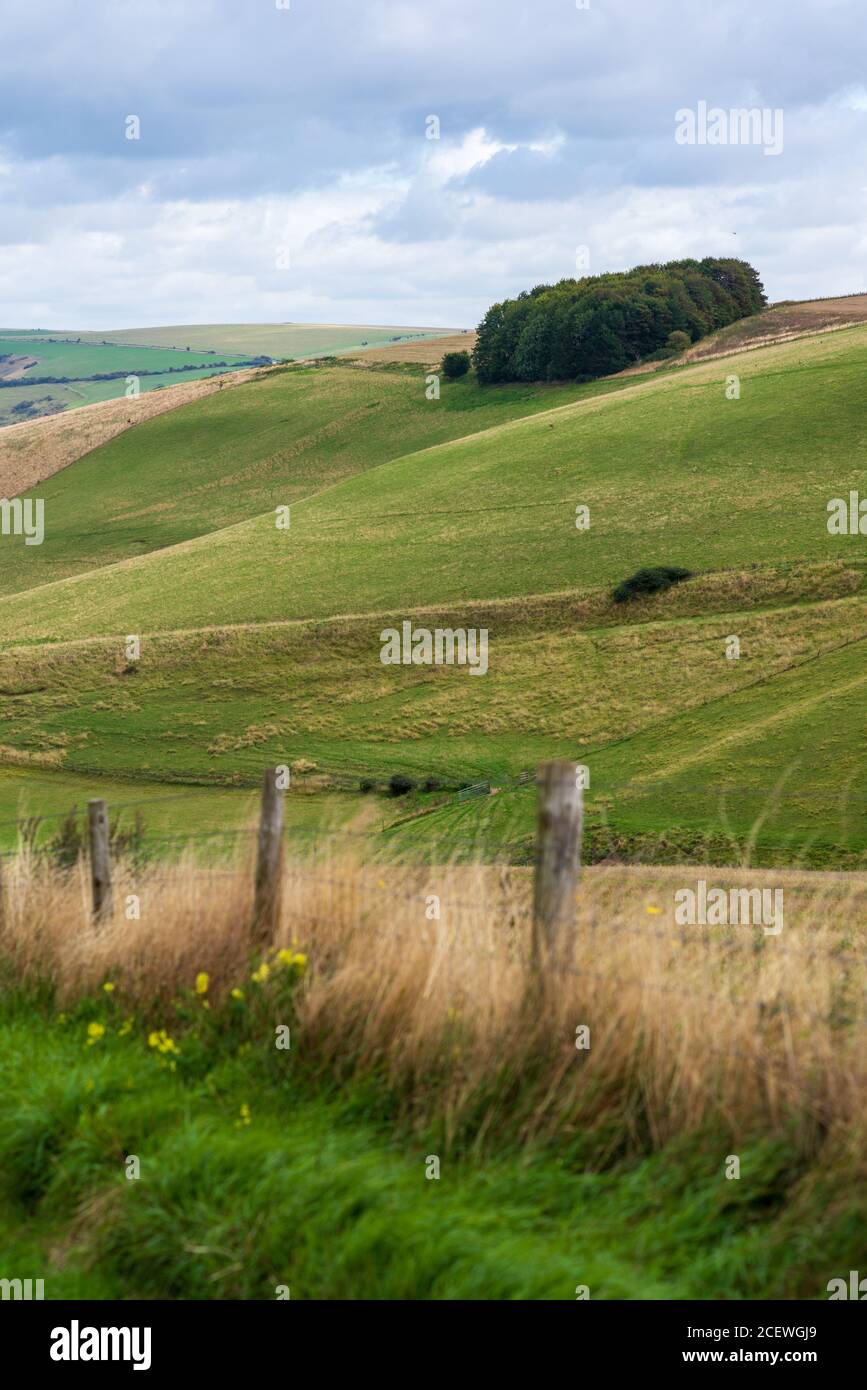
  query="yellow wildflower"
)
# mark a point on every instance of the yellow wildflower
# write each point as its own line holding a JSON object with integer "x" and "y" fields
{"x": 237, "y": 994}
{"x": 108, "y": 987}
{"x": 202, "y": 981}
{"x": 296, "y": 959}
{"x": 260, "y": 976}
{"x": 94, "y": 1032}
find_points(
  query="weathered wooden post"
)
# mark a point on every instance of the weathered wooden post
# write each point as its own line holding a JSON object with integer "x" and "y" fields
{"x": 269, "y": 858}
{"x": 100, "y": 857}
{"x": 558, "y": 859}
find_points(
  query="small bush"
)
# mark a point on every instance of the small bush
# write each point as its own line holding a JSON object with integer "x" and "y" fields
{"x": 649, "y": 581}
{"x": 431, "y": 784}
{"x": 366, "y": 784}
{"x": 455, "y": 364}
{"x": 399, "y": 785}
{"x": 679, "y": 341}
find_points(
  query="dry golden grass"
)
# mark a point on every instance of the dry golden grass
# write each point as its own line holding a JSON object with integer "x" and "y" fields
{"x": 689, "y": 1026}
{"x": 428, "y": 352}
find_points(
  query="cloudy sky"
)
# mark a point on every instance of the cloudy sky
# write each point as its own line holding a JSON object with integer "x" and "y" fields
{"x": 284, "y": 169}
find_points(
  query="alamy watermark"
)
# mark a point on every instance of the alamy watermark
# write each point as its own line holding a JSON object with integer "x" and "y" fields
{"x": 23, "y": 517}
{"x": 716, "y": 907}
{"x": 26, "y": 1289}
{"x": 739, "y": 125}
{"x": 847, "y": 517}
{"x": 419, "y": 646}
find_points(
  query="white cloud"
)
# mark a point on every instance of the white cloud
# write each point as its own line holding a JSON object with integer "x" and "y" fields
{"x": 303, "y": 130}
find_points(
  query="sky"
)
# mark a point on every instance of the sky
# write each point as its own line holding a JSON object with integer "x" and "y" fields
{"x": 413, "y": 161}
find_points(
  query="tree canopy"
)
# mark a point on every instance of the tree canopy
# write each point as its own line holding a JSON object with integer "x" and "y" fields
{"x": 586, "y": 328}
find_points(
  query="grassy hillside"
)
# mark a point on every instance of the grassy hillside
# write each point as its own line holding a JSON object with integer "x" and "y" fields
{"x": 662, "y": 752}
{"x": 220, "y": 460}
{"x": 673, "y": 472}
{"x": 689, "y": 751}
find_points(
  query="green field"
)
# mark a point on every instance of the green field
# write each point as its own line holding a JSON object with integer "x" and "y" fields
{"x": 80, "y": 356}
{"x": 282, "y": 341}
{"x": 461, "y": 512}
{"x": 325, "y": 1193}
{"x": 83, "y": 358}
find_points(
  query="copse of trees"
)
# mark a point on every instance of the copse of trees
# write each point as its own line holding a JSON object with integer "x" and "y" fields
{"x": 582, "y": 329}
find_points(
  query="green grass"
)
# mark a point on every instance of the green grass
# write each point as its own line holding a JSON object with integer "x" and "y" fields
{"x": 724, "y": 745}
{"x": 672, "y": 471}
{"x": 244, "y": 451}
{"x": 214, "y": 818}
{"x": 80, "y": 360}
{"x": 84, "y": 359}
{"x": 686, "y": 749}
{"x": 278, "y": 340}
{"x": 324, "y": 1192}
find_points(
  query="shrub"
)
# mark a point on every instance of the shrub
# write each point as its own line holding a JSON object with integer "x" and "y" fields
{"x": 366, "y": 784}
{"x": 431, "y": 784}
{"x": 399, "y": 785}
{"x": 678, "y": 340}
{"x": 649, "y": 581}
{"x": 455, "y": 364}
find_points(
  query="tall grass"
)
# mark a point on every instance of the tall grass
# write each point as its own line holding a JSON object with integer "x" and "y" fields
{"x": 690, "y": 1027}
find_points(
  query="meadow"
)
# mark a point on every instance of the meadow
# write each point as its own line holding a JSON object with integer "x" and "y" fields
{"x": 286, "y": 435}
{"x": 414, "y": 1037}
{"x": 282, "y": 341}
{"x": 671, "y": 470}
{"x": 80, "y": 360}
{"x": 261, "y": 645}
{"x": 410, "y": 1041}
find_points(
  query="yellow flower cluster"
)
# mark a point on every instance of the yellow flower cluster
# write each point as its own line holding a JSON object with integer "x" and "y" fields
{"x": 260, "y": 976}
{"x": 203, "y": 979}
{"x": 94, "y": 1032}
{"x": 295, "y": 959}
{"x": 246, "y": 1117}
{"x": 161, "y": 1041}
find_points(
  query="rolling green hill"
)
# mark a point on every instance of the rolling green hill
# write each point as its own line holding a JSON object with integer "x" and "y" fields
{"x": 673, "y": 472}
{"x": 290, "y": 433}
{"x": 462, "y": 513}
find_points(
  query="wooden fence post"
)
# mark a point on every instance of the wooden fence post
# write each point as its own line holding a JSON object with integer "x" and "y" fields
{"x": 558, "y": 859}
{"x": 269, "y": 858}
{"x": 100, "y": 857}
